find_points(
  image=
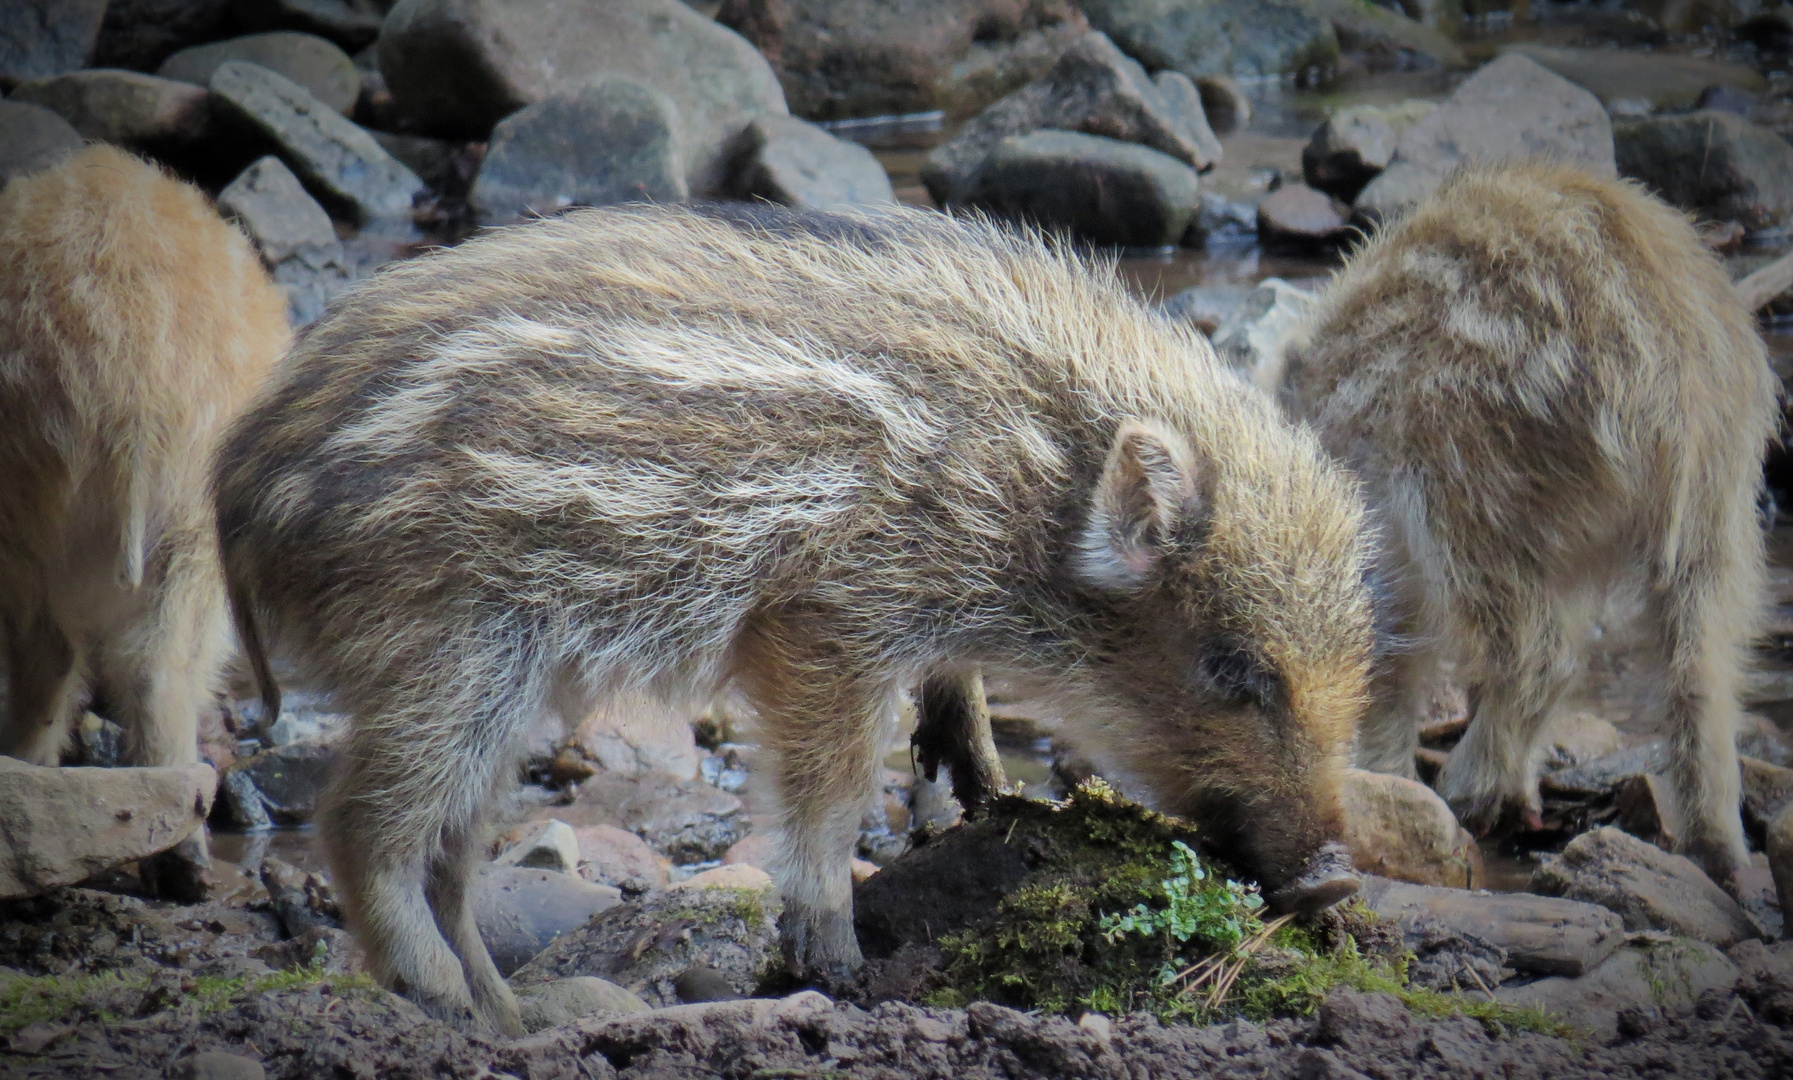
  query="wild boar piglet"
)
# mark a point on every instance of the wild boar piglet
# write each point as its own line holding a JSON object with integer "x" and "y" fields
{"x": 822, "y": 457}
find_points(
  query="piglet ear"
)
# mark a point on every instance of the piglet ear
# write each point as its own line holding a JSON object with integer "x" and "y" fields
{"x": 1149, "y": 485}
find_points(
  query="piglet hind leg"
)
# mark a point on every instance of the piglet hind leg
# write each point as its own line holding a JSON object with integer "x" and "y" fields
{"x": 402, "y": 825}
{"x": 827, "y": 723}
{"x": 1527, "y": 662}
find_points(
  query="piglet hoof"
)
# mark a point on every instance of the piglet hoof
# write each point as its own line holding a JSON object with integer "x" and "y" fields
{"x": 1327, "y": 879}
{"x": 820, "y": 947}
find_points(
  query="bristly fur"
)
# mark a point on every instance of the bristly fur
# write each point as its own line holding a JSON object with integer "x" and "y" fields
{"x": 1548, "y": 387}
{"x": 655, "y": 448}
{"x": 134, "y": 325}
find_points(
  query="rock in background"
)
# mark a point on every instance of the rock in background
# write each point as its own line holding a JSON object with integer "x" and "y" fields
{"x": 792, "y": 162}
{"x": 1241, "y": 38}
{"x": 41, "y": 38}
{"x": 610, "y": 141}
{"x": 293, "y": 234}
{"x": 1511, "y": 108}
{"x": 457, "y": 67}
{"x": 140, "y": 112}
{"x": 882, "y": 57}
{"x": 32, "y": 138}
{"x": 306, "y": 59}
{"x": 1713, "y": 163}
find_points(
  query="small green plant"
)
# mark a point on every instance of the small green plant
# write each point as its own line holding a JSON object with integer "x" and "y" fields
{"x": 1220, "y": 915}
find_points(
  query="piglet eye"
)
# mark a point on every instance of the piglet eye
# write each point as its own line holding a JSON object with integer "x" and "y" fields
{"x": 1240, "y": 676}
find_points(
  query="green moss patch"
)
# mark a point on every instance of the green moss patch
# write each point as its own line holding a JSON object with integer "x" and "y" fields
{"x": 1110, "y": 908}
{"x": 111, "y": 996}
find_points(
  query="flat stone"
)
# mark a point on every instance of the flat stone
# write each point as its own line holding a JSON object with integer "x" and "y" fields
{"x": 792, "y": 162}
{"x": 126, "y": 108}
{"x": 686, "y": 820}
{"x": 611, "y": 141}
{"x": 613, "y": 856}
{"x": 521, "y": 910}
{"x": 706, "y": 1024}
{"x": 1669, "y": 976}
{"x": 1604, "y": 774}
{"x": 1544, "y": 935}
{"x": 1715, "y": 164}
{"x": 217, "y": 1065}
{"x": 646, "y": 945}
{"x": 1401, "y": 829}
{"x": 840, "y": 59}
{"x": 1243, "y": 38}
{"x": 729, "y": 876}
{"x": 1101, "y": 191}
{"x": 316, "y": 64}
{"x": 268, "y": 202}
{"x": 1297, "y": 216}
{"x": 548, "y": 845}
{"x": 300, "y": 247}
{"x": 41, "y": 38}
{"x": 1649, "y": 888}
{"x": 562, "y": 1001}
{"x": 1511, "y": 108}
{"x": 63, "y": 825}
{"x": 1354, "y": 145}
{"x": 337, "y": 160}
{"x": 32, "y": 138}
{"x": 1656, "y": 80}
{"x": 636, "y": 734}
{"x": 1094, "y": 89}
{"x": 457, "y": 67}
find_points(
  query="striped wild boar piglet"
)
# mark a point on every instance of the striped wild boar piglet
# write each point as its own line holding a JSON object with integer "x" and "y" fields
{"x": 820, "y": 457}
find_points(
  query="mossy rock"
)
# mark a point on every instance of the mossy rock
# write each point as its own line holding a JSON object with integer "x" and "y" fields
{"x": 1099, "y": 903}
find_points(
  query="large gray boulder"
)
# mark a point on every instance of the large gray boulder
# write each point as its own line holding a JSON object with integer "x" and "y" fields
{"x": 1105, "y": 192}
{"x": 1511, "y": 108}
{"x": 126, "y": 108}
{"x": 1649, "y": 888}
{"x": 849, "y": 58}
{"x": 41, "y": 38}
{"x": 300, "y": 248}
{"x": 32, "y": 138}
{"x": 1094, "y": 88}
{"x": 1242, "y": 38}
{"x": 60, "y": 826}
{"x": 316, "y": 64}
{"x": 457, "y": 67}
{"x": 1714, "y": 163}
{"x": 338, "y": 161}
{"x": 607, "y": 142}
{"x": 793, "y": 162}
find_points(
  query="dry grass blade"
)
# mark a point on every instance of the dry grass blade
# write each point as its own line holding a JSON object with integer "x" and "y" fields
{"x": 1223, "y": 969}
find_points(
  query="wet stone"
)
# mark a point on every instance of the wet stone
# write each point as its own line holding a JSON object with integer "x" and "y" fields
{"x": 686, "y": 820}
{"x": 1296, "y": 216}
{"x": 1541, "y": 934}
{"x": 1668, "y": 976}
{"x": 41, "y": 38}
{"x": 1105, "y": 192}
{"x": 299, "y": 245}
{"x": 289, "y": 779}
{"x": 792, "y": 162}
{"x": 1716, "y": 164}
{"x": 522, "y": 910}
{"x": 562, "y": 1001}
{"x": 126, "y": 108}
